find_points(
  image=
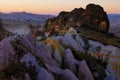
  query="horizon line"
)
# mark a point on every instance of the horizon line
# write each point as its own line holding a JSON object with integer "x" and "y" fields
{"x": 43, "y": 13}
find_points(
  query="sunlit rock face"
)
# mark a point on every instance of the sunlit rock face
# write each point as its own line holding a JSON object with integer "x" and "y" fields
{"x": 57, "y": 51}
{"x": 93, "y": 16}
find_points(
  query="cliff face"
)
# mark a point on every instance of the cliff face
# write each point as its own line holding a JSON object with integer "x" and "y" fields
{"x": 94, "y": 17}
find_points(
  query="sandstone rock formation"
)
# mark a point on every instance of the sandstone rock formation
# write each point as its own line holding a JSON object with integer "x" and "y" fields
{"x": 67, "y": 57}
{"x": 93, "y": 17}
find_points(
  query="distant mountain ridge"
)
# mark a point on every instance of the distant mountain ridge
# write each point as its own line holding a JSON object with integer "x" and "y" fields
{"x": 25, "y": 16}
{"x": 114, "y": 17}
{"x": 114, "y": 24}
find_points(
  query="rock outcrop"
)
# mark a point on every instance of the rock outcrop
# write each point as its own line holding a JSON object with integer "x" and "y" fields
{"x": 46, "y": 60}
{"x": 35, "y": 61}
{"x": 67, "y": 57}
{"x": 71, "y": 56}
{"x": 93, "y": 17}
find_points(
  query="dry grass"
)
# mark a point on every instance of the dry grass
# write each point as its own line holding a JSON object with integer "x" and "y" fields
{"x": 55, "y": 45}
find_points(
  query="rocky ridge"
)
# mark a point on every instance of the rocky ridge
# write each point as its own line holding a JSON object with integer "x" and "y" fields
{"x": 25, "y": 17}
{"x": 94, "y": 17}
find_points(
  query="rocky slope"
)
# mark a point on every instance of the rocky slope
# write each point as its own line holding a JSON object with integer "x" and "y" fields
{"x": 45, "y": 60}
{"x": 94, "y": 17}
{"x": 78, "y": 53}
{"x": 66, "y": 57}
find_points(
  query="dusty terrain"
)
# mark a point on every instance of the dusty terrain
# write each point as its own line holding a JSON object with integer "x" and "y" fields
{"x": 17, "y": 27}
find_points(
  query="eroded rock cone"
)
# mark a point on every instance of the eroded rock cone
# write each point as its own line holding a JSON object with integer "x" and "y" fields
{"x": 93, "y": 17}
{"x": 55, "y": 58}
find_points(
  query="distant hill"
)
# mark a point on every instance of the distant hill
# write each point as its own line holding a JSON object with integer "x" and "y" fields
{"x": 26, "y": 17}
{"x": 114, "y": 16}
{"x": 18, "y": 22}
{"x": 114, "y": 19}
{"x": 114, "y": 24}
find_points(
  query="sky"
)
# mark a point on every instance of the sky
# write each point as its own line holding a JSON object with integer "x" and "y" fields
{"x": 55, "y": 6}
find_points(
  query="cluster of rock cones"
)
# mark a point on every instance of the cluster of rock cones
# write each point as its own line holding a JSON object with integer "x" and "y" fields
{"x": 62, "y": 57}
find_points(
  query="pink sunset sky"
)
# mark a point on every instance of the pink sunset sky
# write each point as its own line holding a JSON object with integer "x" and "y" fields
{"x": 55, "y": 6}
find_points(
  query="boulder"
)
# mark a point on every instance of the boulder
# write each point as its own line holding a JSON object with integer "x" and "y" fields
{"x": 80, "y": 40}
{"x": 41, "y": 51}
{"x": 68, "y": 75}
{"x": 84, "y": 72}
{"x": 6, "y": 51}
{"x": 69, "y": 61}
{"x": 57, "y": 57}
{"x": 96, "y": 18}
{"x": 29, "y": 59}
{"x": 31, "y": 39}
{"x": 57, "y": 50}
{"x": 27, "y": 76}
{"x": 44, "y": 75}
{"x": 73, "y": 43}
{"x": 62, "y": 40}
{"x": 63, "y": 74}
